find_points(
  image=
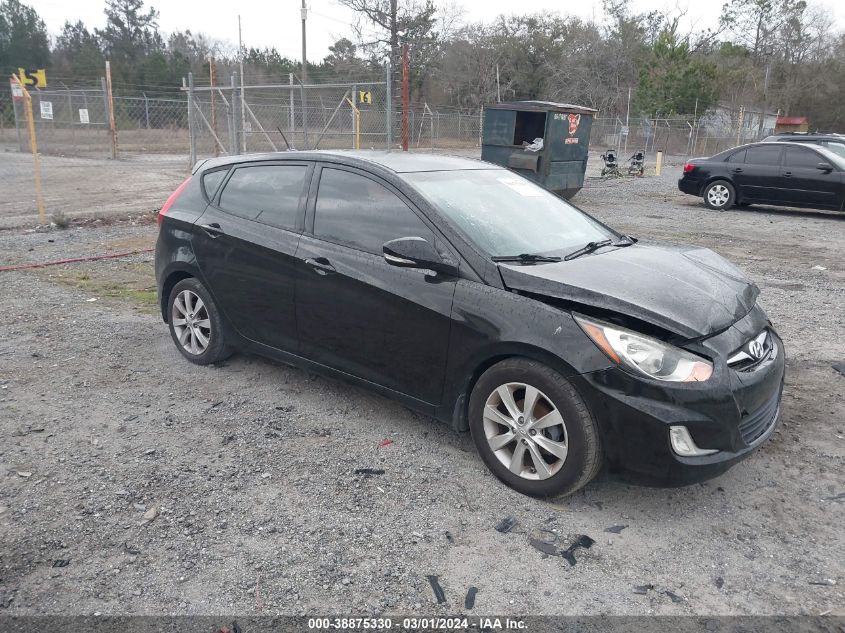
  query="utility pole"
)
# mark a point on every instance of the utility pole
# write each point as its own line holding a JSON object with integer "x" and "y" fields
{"x": 304, "y": 13}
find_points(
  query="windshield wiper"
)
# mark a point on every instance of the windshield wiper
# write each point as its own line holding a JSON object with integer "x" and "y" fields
{"x": 590, "y": 247}
{"x": 525, "y": 258}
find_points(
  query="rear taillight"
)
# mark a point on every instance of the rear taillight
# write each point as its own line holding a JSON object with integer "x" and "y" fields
{"x": 169, "y": 202}
{"x": 688, "y": 167}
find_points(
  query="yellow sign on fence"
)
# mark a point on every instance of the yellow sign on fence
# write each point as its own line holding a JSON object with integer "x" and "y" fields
{"x": 365, "y": 96}
{"x": 35, "y": 78}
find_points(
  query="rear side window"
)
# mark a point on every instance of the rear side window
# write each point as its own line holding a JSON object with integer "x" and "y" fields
{"x": 801, "y": 158}
{"x": 738, "y": 157}
{"x": 211, "y": 181}
{"x": 763, "y": 155}
{"x": 361, "y": 213}
{"x": 267, "y": 193}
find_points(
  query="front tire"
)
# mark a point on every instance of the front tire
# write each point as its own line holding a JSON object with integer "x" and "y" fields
{"x": 196, "y": 325}
{"x": 533, "y": 430}
{"x": 719, "y": 195}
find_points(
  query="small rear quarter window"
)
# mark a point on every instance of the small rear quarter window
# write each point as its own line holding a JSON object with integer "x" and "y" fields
{"x": 737, "y": 157}
{"x": 211, "y": 181}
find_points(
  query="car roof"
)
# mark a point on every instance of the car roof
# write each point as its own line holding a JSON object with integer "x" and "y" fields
{"x": 796, "y": 136}
{"x": 397, "y": 162}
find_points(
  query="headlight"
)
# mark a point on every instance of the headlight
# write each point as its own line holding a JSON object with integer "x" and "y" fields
{"x": 645, "y": 355}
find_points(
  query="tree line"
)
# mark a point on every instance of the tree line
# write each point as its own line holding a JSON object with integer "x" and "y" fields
{"x": 765, "y": 55}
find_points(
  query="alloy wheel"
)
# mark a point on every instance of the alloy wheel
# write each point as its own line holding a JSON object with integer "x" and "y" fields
{"x": 525, "y": 431}
{"x": 191, "y": 322}
{"x": 718, "y": 195}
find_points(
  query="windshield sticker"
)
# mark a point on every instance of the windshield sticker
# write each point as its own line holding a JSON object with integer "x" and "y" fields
{"x": 522, "y": 187}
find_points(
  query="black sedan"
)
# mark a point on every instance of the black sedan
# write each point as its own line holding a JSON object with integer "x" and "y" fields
{"x": 787, "y": 174}
{"x": 475, "y": 296}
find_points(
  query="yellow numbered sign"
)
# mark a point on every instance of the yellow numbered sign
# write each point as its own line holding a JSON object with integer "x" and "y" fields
{"x": 36, "y": 78}
{"x": 365, "y": 96}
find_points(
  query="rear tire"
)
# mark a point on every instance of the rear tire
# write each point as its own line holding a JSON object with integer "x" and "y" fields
{"x": 533, "y": 430}
{"x": 719, "y": 195}
{"x": 196, "y": 325}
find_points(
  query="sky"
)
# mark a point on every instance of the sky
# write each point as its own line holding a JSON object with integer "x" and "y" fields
{"x": 277, "y": 24}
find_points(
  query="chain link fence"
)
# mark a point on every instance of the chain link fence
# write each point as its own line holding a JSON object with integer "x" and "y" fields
{"x": 702, "y": 136}
{"x": 200, "y": 121}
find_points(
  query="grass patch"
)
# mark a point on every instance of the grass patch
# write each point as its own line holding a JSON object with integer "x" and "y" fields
{"x": 127, "y": 281}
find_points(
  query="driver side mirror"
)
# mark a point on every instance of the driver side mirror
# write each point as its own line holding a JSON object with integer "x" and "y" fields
{"x": 416, "y": 252}
{"x": 825, "y": 167}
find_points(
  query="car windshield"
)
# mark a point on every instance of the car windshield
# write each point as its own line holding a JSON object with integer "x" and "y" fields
{"x": 505, "y": 214}
{"x": 836, "y": 148}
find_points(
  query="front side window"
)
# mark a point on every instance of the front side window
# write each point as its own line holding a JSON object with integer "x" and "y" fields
{"x": 507, "y": 215}
{"x": 266, "y": 193}
{"x": 359, "y": 212}
{"x": 801, "y": 158}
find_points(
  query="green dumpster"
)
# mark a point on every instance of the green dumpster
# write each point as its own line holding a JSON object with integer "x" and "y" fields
{"x": 511, "y": 133}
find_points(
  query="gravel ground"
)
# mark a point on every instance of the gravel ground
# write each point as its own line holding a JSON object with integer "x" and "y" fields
{"x": 86, "y": 187}
{"x": 136, "y": 483}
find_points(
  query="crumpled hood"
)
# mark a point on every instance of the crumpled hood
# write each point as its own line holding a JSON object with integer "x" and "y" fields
{"x": 689, "y": 291}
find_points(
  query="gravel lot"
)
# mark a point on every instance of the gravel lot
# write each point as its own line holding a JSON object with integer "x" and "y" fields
{"x": 170, "y": 488}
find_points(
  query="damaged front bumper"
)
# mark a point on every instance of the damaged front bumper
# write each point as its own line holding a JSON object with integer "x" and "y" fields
{"x": 726, "y": 417}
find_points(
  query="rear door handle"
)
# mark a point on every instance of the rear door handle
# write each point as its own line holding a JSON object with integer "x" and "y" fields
{"x": 737, "y": 170}
{"x": 321, "y": 265}
{"x": 212, "y": 229}
{"x": 787, "y": 174}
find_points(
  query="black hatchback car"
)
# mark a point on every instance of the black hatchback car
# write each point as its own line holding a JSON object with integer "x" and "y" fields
{"x": 475, "y": 296}
{"x": 788, "y": 174}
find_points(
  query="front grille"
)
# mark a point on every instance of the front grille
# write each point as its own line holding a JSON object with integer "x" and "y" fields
{"x": 754, "y": 425}
{"x": 744, "y": 359}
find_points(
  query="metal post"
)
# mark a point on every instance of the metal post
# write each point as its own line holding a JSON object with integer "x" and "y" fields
{"x": 353, "y": 101}
{"x": 105, "y": 102}
{"x": 17, "y": 124}
{"x": 290, "y": 95}
{"x": 213, "y": 108}
{"x": 110, "y": 103}
{"x": 191, "y": 127}
{"x": 304, "y": 117}
{"x": 405, "y": 97}
{"x": 628, "y": 121}
{"x": 388, "y": 115}
{"x": 304, "y": 15}
{"x": 243, "y": 110}
{"x": 146, "y": 109}
{"x": 70, "y": 115}
{"x": 235, "y": 146}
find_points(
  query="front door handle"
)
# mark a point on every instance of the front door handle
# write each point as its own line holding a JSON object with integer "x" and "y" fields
{"x": 787, "y": 174}
{"x": 321, "y": 265}
{"x": 737, "y": 170}
{"x": 212, "y": 229}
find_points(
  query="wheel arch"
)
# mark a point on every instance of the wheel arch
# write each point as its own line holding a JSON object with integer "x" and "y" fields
{"x": 172, "y": 278}
{"x": 711, "y": 179}
{"x": 460, "y": 398}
